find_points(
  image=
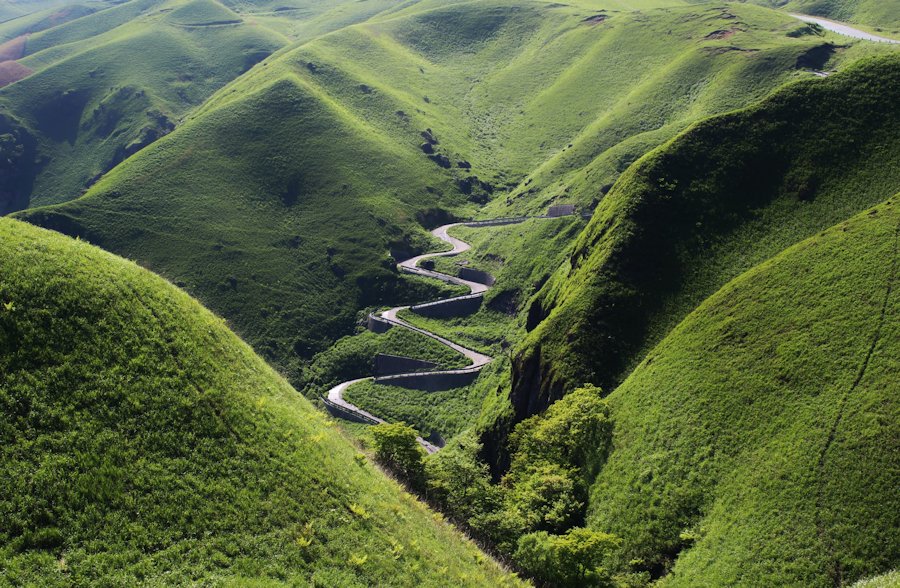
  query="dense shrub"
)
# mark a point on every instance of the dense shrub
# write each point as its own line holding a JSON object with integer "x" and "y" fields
{"x": 396, "y": 448}
{"x": 573, "y": 559}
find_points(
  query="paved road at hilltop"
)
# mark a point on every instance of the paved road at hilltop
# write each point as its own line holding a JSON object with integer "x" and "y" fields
{"x": 479, "y": 360}
{"x": 842, "y": 29}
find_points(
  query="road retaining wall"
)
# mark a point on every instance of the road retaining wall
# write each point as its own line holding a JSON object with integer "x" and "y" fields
{"x": 431, "y": 381}
{"x": 387, "y": 365}
{"x": 478, "y": 276}
{"x": 459, "y": 306}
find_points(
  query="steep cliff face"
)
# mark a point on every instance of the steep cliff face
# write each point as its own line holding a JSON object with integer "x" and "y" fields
{"x": 721, "y": 198}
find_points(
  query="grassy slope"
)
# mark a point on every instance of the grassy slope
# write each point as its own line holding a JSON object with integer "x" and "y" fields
{"x": 760, "y": 436}
{"x": 142, "y": 442}
{"x": 110, "y": 79}
{"x": 648, "y": 77}
{"x": 443, "y": 413}
{"x": 305, "y": 199}
{"x": 288, "y": 249}
{"x": 109, "y": 83}
{"x": 721, "y": 198}
{"x": 32, "y": 17}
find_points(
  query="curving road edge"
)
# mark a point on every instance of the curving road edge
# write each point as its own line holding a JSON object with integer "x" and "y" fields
{"x": 842, "y": 28}
{"x": 335, "y": 396}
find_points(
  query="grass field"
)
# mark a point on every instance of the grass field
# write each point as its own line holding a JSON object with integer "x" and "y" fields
{"x": 351, "y": 357}
{"x": 105, "y": 85}
{"x": 143, "y": 443}
{"x": 105, "y": 80}
{"x": 275, "y": 158}
{"x": 445, "y": 413}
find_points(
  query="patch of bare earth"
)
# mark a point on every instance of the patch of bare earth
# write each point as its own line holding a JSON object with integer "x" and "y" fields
{"x": 13, "y": 49}
{"x": 720, "y": 34}
{"x": 11, "y": 71}
{"x": 594, "y": 20}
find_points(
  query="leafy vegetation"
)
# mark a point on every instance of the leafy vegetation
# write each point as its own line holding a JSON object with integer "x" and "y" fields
{"x": 531, "y": 514}
{"x": 143, "y": 443}
{"x": 574, "y": 559}
{"x": 396, "y": 448}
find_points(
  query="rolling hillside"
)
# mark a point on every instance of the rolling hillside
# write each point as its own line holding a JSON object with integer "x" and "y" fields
{"x": 101, "y": 81}
{"x": 689, "y": 382}
{"x": 105, "y": 85}
{"x": 143, "y": 443}
{"x": 757, "y": 443}
{"x": 721, "y": 198}
{"x": 277, "y": 201}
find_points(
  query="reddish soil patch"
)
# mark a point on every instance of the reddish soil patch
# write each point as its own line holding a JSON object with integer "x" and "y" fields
{"x": 13, "y": 49}
{"x": 721, "y": 34}
{"x": 10, "y": 72}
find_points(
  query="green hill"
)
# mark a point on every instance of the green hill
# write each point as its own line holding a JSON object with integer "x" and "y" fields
{"x": 143, "y": 443}
{"x": 107, "y": 84}
{"x": 103, "y": 80}
{"x": 277, "y": 200}
{"x": 721, "y": 198}
{"x": 32, "y": 17}
{"x": 757, "y": 443}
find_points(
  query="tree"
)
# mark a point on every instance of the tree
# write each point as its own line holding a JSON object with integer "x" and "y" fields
{"x": 461, "y": 483}
{"x": 397, "y": 449}
{"x": 573, "y": 431}
{"x": 573, "y": 559}
{"x": 545, "y": 497}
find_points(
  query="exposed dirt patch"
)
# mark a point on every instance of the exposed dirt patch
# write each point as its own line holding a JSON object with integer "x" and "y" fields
{"x": 720, "y": 50}
{"x": 13, "y": 49}
{"x": 720, "y": 34}
{"x": 595, "y": 20}
{"x": 11, "y": 71}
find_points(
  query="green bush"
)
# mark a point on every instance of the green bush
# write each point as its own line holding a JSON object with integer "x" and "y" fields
{"x": 461, "y": 483}
{"x": 396, "y": 448}
{"x": 546, "y": 487}
{"x": 573, "y": 559}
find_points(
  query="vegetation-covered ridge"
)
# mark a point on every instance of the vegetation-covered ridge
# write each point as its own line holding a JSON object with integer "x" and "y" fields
{"x": 277, "y": 201}
{"x": 724, "y": 196}
{"x": 143, "y": 443}
{"x": 756, "y": 445}
{"x": 85, "y": 86}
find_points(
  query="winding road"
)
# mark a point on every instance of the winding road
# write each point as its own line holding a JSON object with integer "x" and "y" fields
{"x": 335, "y": 396}
{"x": 842, "y": 29}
